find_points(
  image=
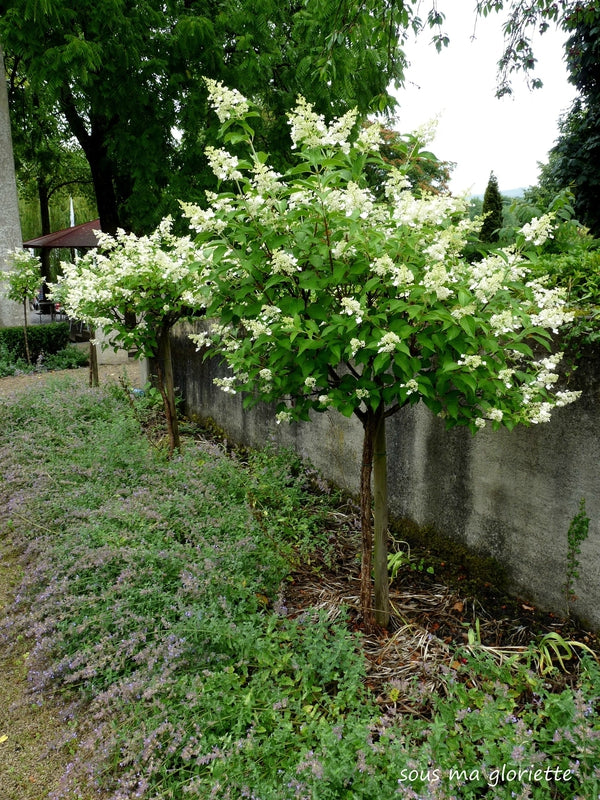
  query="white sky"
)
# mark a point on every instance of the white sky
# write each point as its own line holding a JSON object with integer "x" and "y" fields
{"x": 477, "y": 131}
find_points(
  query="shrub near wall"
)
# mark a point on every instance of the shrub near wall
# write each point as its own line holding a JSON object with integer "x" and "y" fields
{"x": 509, "y": 495}
{"x": 46, "y": 339}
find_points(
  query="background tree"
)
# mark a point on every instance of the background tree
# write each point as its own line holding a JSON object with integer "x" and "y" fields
{"x": 493, "y": 212}
{"x": 425, "y": 171}
{"x": 329, "y": 298}
{"x": 124, "y": 77}
{"x": 50, "y": 165}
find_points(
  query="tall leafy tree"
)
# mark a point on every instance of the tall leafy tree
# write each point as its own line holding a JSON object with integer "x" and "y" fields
{"x": 48, "y": 161}
{"x": 125, "y": 77}
{"x": 575, "y": 159}
{"x": 328, "y": 297}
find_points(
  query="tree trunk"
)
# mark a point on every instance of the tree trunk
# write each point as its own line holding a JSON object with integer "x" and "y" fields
{"x": 44, "y": 252}
{"x": 25, "y": 335}
{"x": 374, "y": 460}
{"x": 93, "y": 144}
{"x": 167, "y": 388}
{"x": 366, "y": 527}
{"x": 94, "y": 376}
{"x": 10, "y": 225}
{"x": 380, "y": 565}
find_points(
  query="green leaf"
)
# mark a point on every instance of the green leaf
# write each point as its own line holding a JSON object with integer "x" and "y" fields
{"x": 381, "y": 362}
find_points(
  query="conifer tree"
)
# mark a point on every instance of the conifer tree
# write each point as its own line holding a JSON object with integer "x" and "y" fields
{"x": 492, "y": 211}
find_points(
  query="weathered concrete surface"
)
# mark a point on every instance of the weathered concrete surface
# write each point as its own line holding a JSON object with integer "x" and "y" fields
{"x": 10, "y": 227}
{"x": 511, "y": 495}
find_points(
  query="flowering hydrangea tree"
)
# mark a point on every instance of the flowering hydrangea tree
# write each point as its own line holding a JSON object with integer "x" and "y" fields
{"x": 24, "y": 282}
{"x": 328, "y": 298}
{"x": 136, "y": 289}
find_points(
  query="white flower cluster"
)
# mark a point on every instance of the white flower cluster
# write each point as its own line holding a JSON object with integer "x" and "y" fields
{"x": 448, "y": 242}
{"x": 228, "y": 103}
{"x": 398, "y": 275}
{"x": 265, "y": 180}
{"x": 203, "y": 339}
{"x": 458, "y": 312}
{"x": 551, "y": 306}
{"x": 209, "y": 220}
{"x": 506, "y": 376}
{"x": 547, "y": 375}
{"x": 310, "y": 129}
{"x": 369, "y": 138}
{"x": 283, "y": 416}
{"x": 343, "y": 249}
{"x": 411, "y": 386}
{"x": 388, "y": 342}
{"x": 539, "y": 230}
{"x": 284, "y": 263}
{"x": 262, "y": 324}
{"x": 26, "y": 277}
{"x": 266, "y": 377}
{"x": 226, "y": 384}
{"x": 420, "y": 212}
{"x": 351, "y": 201}
{"x": 488, "y": 276}
{"x": 471, "y": 361}
{"x": 223, "y": 164}
{"x": 352, "y": 307}
{"x": 436, "y": 279}
{"x": 396, "y": 183}
{"x": 355, "y": 346}
{"x": 152, "y": 273}
{"x": 505, "y": 322}
{"x": 426, "y": 133}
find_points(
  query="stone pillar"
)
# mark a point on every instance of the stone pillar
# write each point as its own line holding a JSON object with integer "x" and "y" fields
{"x": 10, "y": 225}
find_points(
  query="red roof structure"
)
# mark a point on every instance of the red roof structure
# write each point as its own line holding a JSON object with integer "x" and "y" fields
{"x": 80, "y": 236}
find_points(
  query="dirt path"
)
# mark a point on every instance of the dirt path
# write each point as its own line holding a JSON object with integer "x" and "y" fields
{"x": 106, "y": 372}
{"x": 30, "y": 766}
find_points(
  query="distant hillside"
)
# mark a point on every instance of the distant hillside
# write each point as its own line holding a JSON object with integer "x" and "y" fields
{"x": 505, "y": 193}
{"x": 514, "y": 192}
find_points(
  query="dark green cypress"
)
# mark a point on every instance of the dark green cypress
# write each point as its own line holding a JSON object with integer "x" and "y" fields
{"x": 492, "y": 207}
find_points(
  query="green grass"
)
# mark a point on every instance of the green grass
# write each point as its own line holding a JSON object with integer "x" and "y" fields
{"x": 154, "y": 598}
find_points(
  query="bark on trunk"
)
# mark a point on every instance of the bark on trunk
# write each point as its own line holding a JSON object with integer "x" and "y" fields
{"x": 44, "y": 252}
{"x": 167, "y": 388}
{"x": 374, "y": 558}
{"x": 25, "y": 334}
{"x": 10, "y": 226}
{"x": 366, "y": 602}
{"x": 93, "y": 144}
{"x": 380, "y": 565}
{"x": 94, "y": 377}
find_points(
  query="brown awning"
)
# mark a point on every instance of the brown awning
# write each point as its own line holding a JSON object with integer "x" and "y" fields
{"x": 76, "y": 237}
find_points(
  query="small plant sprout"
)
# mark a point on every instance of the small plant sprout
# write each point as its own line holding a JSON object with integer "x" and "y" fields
{"x": 576, "y": 535}
{"x": 363, "y": 303}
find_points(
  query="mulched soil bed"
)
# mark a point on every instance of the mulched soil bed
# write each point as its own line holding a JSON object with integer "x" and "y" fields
{"x": 432, "y": 613}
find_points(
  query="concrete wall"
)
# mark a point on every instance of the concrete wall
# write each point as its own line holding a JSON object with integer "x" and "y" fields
{"x": 511, "y": 495}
